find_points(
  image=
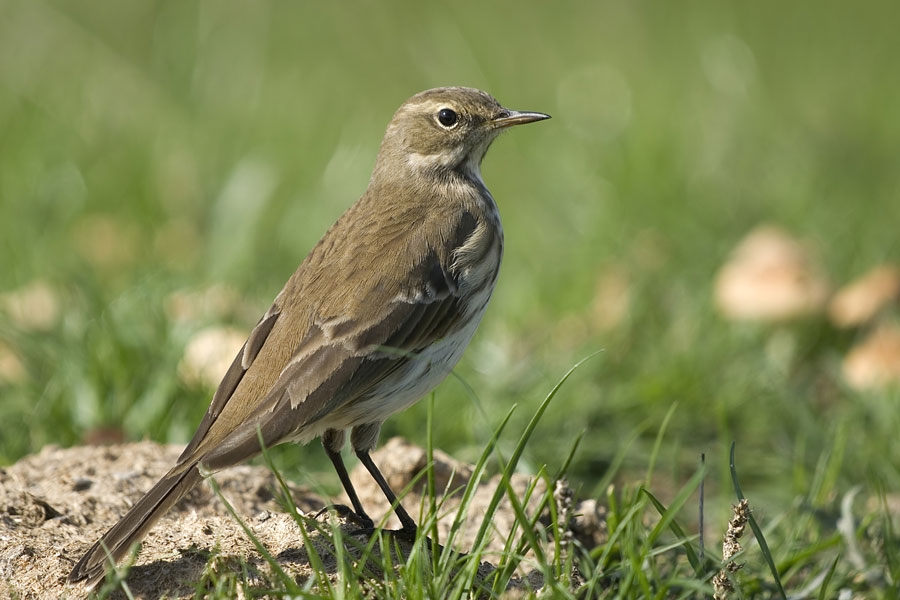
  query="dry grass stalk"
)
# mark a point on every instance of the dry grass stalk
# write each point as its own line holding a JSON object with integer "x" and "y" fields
{"x": 723, "y": 582}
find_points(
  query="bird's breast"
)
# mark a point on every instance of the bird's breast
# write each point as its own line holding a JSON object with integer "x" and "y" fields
{"x": 476, "y": 261}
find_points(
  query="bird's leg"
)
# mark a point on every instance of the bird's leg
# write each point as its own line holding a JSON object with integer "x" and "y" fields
{"x": 333, "y": 441}
{"x": 362, "y": 440}
{"x": 408, "y": 525}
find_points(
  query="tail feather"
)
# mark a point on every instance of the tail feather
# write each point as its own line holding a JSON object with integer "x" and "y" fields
{"x": 116, "y": 543}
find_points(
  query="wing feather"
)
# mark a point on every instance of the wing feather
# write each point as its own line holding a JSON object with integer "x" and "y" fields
{"x": 233, "y": 376}
{"x": 341, "y": 357}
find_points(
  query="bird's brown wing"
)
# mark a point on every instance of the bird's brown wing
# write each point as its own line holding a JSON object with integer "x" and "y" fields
{"x": 335, "y": 368}
{"x": 337, "y": 360}
{"x": 239, "y": 366}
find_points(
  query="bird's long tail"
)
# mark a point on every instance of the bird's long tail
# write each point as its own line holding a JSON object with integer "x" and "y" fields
{"x": 115, "y": 544}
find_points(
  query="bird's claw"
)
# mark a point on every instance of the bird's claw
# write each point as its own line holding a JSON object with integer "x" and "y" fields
{"x": 363, "y": 520}
{"x": 405, "y": 533}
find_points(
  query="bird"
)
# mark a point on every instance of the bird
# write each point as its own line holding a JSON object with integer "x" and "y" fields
{"x": 374, "y": 318}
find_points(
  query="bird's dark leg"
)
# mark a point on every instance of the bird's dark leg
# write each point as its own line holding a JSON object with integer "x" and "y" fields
{"x": 409, "y": 526}
{"x": 362, "y": 440}
{"x": 333, "y": 441}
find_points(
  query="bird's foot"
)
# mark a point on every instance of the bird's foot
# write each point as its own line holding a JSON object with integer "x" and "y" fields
{"x": 407, "y": 534}
{"x": 404, "y": 533}
{"x": 362, "y": 519}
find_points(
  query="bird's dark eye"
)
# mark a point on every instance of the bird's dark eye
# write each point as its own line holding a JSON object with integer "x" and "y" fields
{"x": 447, "y": 117}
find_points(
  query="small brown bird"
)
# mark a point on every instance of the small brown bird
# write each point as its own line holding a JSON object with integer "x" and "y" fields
{"x": 374, "y": 318}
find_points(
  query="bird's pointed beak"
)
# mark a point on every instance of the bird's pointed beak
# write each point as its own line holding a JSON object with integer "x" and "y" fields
{"x": 508, "y": 118}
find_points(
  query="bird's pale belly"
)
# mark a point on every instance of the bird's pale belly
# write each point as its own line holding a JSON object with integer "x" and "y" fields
{"x": 418, "y": 377}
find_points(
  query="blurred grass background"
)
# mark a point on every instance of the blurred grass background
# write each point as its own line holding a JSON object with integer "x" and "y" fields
{"x": 158, "y": 148}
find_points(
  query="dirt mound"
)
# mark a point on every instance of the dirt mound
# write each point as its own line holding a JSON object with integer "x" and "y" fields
{"x": 56, "y": 503}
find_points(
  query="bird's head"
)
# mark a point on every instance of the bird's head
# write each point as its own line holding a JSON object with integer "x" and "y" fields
{"x": 446, "y": 130}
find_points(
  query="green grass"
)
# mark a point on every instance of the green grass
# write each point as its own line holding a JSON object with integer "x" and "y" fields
{"x": 219, "y": 140}
{"x": 646, "y": 553}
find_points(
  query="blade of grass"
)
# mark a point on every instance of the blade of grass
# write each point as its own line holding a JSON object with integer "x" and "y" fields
{"x": 570, "y": 456}
{"x": 618, "y": 460}
{"x": 468, "y": 576}
{"x": 692, "y": 556}
{"x": 513, "y": 461}
{"x": 823, "y": 592}
{"x": 657, "y": 444}
{"x": 757, "y": 531}
{"x": 315, "y": 560}
{"x": 511, "y": 559}
{"x": 285, "y": 579}
{"x": 676, "y": 505}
